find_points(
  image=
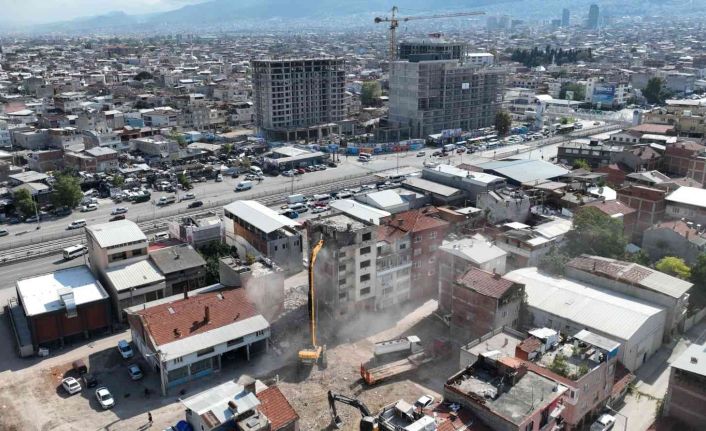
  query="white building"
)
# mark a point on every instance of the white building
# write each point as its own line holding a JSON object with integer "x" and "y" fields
{"x": 480, "y": 58}
{"x": 688, "y": 203}
{"x": 570, "y": 306}
{"x": 185, "y": 337}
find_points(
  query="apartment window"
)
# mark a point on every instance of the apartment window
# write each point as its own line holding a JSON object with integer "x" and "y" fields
{"x": 364, "y": 278}
{"x": 403, "y": 246}
{"x": 205, "y": 351}
{"x": 367, "y": 236}
{"x": 341, "y": 282}
{"x": 364, "y": 264}
{"x": 365, "y": 250}
{"x": 417, "y": 264}
{"x": 530, "y": 426}
{"x": 417, "y": 251}
{"x": 364, "y": 291}
{"x": 342, "y": 267}
{"x": 432, "y": 235}
{"x": 417, "y": 238}
{"x": 342, "y": 295}
{"x": 259, "y": 333}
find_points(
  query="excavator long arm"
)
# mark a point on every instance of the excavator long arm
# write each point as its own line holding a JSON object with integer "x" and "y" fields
{"x": 332, "y": 398}
{"x": 312, "y": 292}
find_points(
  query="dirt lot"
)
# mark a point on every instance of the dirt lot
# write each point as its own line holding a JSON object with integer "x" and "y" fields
{"x": 32, "y": 398}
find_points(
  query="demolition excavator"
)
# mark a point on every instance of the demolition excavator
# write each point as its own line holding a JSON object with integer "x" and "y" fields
{"x": 368, "y": 422}
{"x": 316, "y": 354}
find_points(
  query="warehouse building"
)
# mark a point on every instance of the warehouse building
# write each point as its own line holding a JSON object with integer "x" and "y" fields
{"x": 570, "y": 306}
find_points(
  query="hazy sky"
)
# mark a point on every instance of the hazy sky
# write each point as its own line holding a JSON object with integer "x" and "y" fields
{"x": 37, "y": 11}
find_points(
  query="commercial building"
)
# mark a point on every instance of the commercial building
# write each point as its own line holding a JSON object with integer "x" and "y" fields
{"x": 298, "y": 98}
{"x": 255, "y": 229}
{"x": 433, "y": 96}
{"x": 522, "y": 171}
{"x": 570, "y": 306}
{"x": 636, "y": 281}
{"x": 688, "y": 203}
{"x": 594, "y": 153}
{"x": 57, "y": 307}
{"x": 471, "y": 183}
{"x": 118, "y": 257}
{"x": 186, "y": 336}
{"x": 250, "y": 406}
{"x": 479, "y": 302}
{"x": 686, "y": 393}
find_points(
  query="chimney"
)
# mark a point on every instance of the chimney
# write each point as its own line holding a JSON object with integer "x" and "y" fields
{"x": 207, "y": 314}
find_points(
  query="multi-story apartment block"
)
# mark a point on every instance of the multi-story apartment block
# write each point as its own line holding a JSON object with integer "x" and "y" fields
{"x": 649, "y": 203}
{"x": 428, "y": 97}
{"x": 346, "y": 267}
{"x": 689, "y": 203}
{"x": 431, "y": 49}
{"x": 393, "y": 264}
{"x": 298, "y": 98}
{"x": 686, "y": 158}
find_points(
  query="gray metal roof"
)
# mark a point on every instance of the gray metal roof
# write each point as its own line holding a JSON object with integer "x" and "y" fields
{"x": 476, "y": 249}
{"x": 688, "y": 196}
{"x": 216, "y": 399}
{"x": 116, "y": 233}
{"x": 177, "y": 258}
{"x": 136, "y": 274}
{"x": 692, "y": 360}
{"x": 522, "y": 171}
{"x": 599, "y": 341}
{"x": 258, "y": 215}
{"x": 431, "y": 186}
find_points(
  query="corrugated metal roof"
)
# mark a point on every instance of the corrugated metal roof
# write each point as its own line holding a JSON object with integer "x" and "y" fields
{"x": 215, "y": 400}
{"x": 116, "y": 233}
{"x": 386, "y": 198}
{"x": 258, "y": 215}
{"x": 597, "y": 340}
{"x": 522, "y": 171}
{"x": 431, "y": 186}
{"x": 40, "y": 294}
{"x": 476, "y": 249}
{"x": 605, "y": 311}
{"x": 135, "y": 274}
{"x": 359, "y": 211}
{"x": 686, "y": 360}
{"x": 689, "y": 196}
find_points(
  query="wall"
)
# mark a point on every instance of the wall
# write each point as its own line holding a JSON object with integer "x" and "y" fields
{"x": 686, "y": 398}
{"x": 50, "y": 327}
{"x": 663, "y": 241}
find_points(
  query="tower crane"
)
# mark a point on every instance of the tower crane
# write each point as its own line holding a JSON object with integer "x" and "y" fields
{"x": 394, "y": 21}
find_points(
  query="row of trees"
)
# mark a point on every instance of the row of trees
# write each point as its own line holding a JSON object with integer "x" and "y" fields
{"x": 536, "y": 57}
{"x": 67, "y": 193}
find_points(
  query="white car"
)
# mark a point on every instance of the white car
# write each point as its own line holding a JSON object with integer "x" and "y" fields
{"x": 89, "y": 207}
{"x": 71, "y": 385}
{"x": 125, "y": 349}
{"x": 424, "y": 401}
{"x": 118, "y": 210}
{"x": 104, "y": 397}
{"x": 604, "y": 423}
{"x": 289, "y": 173}
{"x": 317, "y": 210}
{"x": 188, "y": 196}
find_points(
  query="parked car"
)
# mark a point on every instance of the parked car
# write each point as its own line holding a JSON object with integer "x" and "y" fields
{"x": 317, "y": 210}
{"x": 4, "y": 232}
{"x": 117, "y": 217}
{"x": 118, "y": 210}
{"x": 105, "y": 399}
{"x": 289, "y": 173}
{"x": 71, "y": 385}
{"x": 195, "y": 204}
{"x": 301, "y": 170}
{"x": 310, "y": 169}
{"x": 604, "y": 423}
{"x": 332, "y": 165}
{"x": 32, "y": 219}
{"x": 89, "y": 380}
{"x": 89, "y": 207}
{"x": 135, "y": 372}
{"x": 125, "y": 349}
{"x": 421, "y": 154}
{"x": 161, "y": 236}
{"x": 219, "y": 178}
{"x": 424, "y": 401}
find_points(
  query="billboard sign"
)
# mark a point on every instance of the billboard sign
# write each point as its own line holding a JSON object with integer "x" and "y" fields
{"x": 604, "y": 93}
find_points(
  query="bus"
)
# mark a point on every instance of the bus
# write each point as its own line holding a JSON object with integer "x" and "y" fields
{"x": 75, "y": 251}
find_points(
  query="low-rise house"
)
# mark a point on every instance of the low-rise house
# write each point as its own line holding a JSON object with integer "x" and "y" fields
{"x": 262, "y": 280}
{"x": 686, "y": 393}
{"x": 687, "y": 202}
{"x": 675, "y": 238}
{"x": 186, "y": 336}
{"x": 197, "y": 230}
{"x": 183, "y": 268}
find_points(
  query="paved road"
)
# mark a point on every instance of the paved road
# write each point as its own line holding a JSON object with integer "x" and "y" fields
{"x": 652, "y": 381}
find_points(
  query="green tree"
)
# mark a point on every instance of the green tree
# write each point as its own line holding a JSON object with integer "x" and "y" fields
{"x": 142, "y": 76}
{"x": 654, "y": 92}
{"x": 184, "y": 180}
{"x": 370, "y": 92}
{"x": 579, "y": 91}
{"x": 698, "y": 272}
{"x": 118, "y": 180}
{"x": 581, "y": 164}
{"x": 227, "y": 148}
{"x": 596, "y": 233}
{"x": 559, "y": 365}
{"x": 554, "y": 262}
{"x": 211, "y": 253}
{"x": 24, "y": 203}
{"x": 503, "y": 122}
{"x": 674, "y": 266}
{"x": 178, "y": 137}
{"x": 67, "y": 191}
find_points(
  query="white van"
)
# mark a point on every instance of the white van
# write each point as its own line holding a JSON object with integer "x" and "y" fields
{"x": 74, "y": 251}
{"x": 296, "y": 199}
{"x": 77, "y": 224}
{"x": 243, "y": 185}
{"x": 364, "y": 157}
{"x": 166, "y": 200}
{"x": 256, "y": 170}
{"x": 321, "y": 199}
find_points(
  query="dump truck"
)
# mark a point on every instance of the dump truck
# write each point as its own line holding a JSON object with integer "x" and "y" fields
{"x": 377, "y": 373}
{"x": 405, "y": 345}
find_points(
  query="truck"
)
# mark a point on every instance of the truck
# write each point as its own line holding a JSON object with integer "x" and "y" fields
{"x": 372, "y": 374}
{"x": 297, "y": 198}
{"x": 449, "y": 147}
{"x": 166, "y": 200}
{"x": 406, "y": 345}
{"x": 243, "y": 185}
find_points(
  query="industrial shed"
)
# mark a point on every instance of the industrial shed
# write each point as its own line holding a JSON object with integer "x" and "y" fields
{"x": 570, "y": 306}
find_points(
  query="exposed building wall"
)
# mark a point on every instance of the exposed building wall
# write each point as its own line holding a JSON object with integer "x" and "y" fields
{"x": 686, "y": 398}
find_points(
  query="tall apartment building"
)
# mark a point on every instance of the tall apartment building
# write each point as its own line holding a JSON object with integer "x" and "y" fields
{"x": 346, "y": 267}
{"x": 565, "y": 17}
{"x": 429, "y": 96}
{"x": 431, "y": 49}
{"x": 593, "y": 15}
{"x": 298, "y": 98}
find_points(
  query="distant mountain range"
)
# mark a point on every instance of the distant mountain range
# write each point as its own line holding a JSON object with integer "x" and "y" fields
{"x": 225, "y": 12}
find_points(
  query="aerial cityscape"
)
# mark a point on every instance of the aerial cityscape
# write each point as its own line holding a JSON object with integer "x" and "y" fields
{"x": 270, "y": 215}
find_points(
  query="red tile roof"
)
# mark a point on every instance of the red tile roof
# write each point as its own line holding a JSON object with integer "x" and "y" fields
{"x": 187, "y": 318}
{"x": 680, "y": 227}
{"x": 485, "y": 283}
{"x": 409, "y": 221}
{"x": 530, "y": 345}
{"x": 612, "y": 208}
{"x": 275, "y": 406}
{"x": 655, "y": 129}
